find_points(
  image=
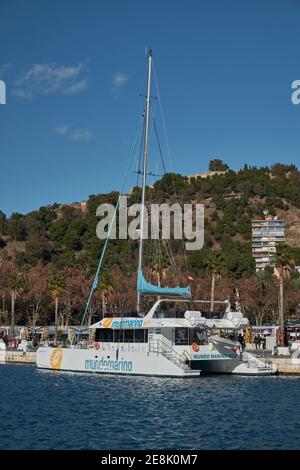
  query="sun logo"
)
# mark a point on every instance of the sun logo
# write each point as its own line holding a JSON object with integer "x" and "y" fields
{"x": 107, "y": 323}
{"x": 56, "y": 358}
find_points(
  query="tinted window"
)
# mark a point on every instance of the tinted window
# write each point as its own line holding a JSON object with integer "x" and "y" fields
{"x": 104, "y": 335}
{"x": 128, "y": 336}
{"x": 141, "y": 336}
{"x": 182, "y": 336}
{"x": 120, "y": 336}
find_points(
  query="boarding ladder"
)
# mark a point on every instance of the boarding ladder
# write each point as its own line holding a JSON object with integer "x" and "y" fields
{"x": 255, "y": 361}
{"x": 160, "y": 347}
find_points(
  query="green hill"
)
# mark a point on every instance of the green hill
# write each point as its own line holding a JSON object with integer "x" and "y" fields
{"x": 59, "y": 237}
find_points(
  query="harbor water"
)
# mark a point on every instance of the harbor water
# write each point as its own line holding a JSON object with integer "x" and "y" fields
{"x": 54, "y": 410}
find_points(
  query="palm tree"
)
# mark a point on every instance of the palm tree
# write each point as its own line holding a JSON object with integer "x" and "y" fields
{"x": 105, "y": 288}
{"x": 283, "y": 267}
{"x": 15, "y": 284}
{"x": 216, "y": 266}
{"x": 56, "y": 285}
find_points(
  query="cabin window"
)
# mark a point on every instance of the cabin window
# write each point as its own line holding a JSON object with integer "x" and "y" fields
{"x": 181, "y": 336}
{"x": 118, "y": 336}
{"x": 104, "y": 335}
{"x": 128, "y": 336}
{"x": 121, "y": 336}
{"x": 141, "y": 336}
{"x": 198, "y": 336}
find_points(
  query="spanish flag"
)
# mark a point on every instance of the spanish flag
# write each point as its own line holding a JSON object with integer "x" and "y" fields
{"x": 190, "y": 278}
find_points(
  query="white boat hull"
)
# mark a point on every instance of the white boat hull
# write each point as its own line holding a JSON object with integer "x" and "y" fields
{"x": 112, "y": 362}
{"x": 140, "y": 361}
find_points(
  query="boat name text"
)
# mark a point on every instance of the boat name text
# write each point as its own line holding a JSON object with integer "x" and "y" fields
{"x": 108, "y": 365}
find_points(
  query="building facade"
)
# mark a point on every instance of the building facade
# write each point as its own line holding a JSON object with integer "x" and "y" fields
{"x": 266, "y": 234}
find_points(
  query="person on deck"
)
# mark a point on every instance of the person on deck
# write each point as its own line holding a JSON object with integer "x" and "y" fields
{"x": 241, "y": 340}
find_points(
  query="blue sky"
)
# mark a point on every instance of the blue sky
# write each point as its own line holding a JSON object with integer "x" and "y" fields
{"x": 74, "y": 71}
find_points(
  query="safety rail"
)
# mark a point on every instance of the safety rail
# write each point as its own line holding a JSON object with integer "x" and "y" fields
{"x": 160, "y": 347}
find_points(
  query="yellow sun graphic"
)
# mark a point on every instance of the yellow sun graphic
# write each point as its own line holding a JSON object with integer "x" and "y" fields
{"x": 56, "y": 358}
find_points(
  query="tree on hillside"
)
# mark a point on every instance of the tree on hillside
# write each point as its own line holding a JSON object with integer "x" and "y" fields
{"x": 12, "y": 282}
{"x": 280, "y": 169}
{"x": 202, "y": 285}
{"x": 37, "y": 281}
{"x": 57, "y": 230}
{"x": 2, "y": 223}
{"x": 123, "y": 296}
{"x": 170, "y": 183}
{"x": 217, "y": 165}
{"x": 16, "y": 227}
{"x": 38, "y": 249}
{"x": 73, "y": 235}
{"x": 73, "y": 297}
{"x": 258, "y": 297}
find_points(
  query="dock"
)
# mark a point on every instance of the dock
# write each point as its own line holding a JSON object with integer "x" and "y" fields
{"x": 17, "y": 357}
{"x": 287, "y": 365}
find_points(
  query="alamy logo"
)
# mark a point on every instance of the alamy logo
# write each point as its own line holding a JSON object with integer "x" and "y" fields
{"x": 296, "y": 94}
{"x": 2, "y": 92}
{"x": 186, "y": 222}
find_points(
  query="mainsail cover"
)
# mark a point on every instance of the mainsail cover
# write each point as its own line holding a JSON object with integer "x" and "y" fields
{"x": 145, "y": 287}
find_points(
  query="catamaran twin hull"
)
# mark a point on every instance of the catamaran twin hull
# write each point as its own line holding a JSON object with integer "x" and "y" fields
{"x": 136, "y": 359}
{"x": 159, "y": 344}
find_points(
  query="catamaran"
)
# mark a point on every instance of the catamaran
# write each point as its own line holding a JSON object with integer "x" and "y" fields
{"x": 176, "y": 338}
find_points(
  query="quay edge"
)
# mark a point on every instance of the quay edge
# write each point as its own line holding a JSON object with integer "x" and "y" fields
{"x": 287, "y": 365}
{"x": 18, "y": 357}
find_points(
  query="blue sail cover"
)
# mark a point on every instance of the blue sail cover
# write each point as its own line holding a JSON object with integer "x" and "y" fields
{"x": 145, "y": 287}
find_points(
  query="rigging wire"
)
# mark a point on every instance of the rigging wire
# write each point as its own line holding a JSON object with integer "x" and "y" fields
{"x": 96, "y": 278}
{"x": 159, "y": 146}
{"x": 169, "y": 155}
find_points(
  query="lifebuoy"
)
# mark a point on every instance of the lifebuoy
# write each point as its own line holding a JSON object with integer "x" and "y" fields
{"x": 234, "y": 349}
{"x": 195, "y": 347}
{"x": 97, "y": 345}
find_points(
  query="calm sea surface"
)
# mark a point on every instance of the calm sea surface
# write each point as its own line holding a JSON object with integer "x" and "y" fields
{"x": 55, "y": 410}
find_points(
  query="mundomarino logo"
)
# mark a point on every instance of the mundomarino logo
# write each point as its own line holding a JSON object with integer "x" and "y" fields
{"x": 2, "y": 92}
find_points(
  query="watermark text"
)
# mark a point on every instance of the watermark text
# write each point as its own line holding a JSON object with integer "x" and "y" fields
{"x": 160, "y": 222}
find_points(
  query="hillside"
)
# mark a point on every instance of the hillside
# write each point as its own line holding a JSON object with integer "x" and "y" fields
{"x": 63, "y": 237}
{"x": 65, "y": 234}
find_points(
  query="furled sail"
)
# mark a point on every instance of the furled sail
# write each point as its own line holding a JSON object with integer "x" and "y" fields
{"x": 145, "y": 287}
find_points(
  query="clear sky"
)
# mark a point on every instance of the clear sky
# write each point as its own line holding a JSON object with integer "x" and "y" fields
{"x": 74, "y": 71}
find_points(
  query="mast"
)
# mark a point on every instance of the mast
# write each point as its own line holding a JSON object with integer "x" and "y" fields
{"x": 138, "y": 305}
